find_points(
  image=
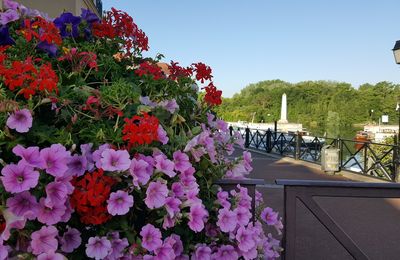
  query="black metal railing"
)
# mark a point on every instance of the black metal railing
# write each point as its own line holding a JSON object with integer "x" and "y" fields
{"x": 99, "y": 6}
{"x": 305, "y": 192}
{"x": 367, "y": 158}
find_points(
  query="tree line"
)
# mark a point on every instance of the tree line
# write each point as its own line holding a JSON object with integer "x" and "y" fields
{"x": 326, "y": 104}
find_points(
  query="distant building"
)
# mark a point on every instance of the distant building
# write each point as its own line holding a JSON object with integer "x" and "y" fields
{"x": 54, "y": 7}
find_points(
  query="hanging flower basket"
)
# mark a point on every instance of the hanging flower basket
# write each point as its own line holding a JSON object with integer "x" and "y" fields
{"x": 108, "y": 154}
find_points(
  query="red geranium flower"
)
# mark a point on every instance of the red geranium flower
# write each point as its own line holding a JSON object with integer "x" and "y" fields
{"x": 213, "y": 96}
{"x": 203, "y": 72}
{"x": 90, "y": 195}
{"x": 146, "y": 68}
{"x": 140, "y": 129}
{"x": 177, "y": 71}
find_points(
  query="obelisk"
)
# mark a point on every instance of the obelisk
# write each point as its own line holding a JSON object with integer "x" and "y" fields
{"x": 283, "y": 119}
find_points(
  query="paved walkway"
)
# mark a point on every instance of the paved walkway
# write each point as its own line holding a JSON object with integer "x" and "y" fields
{"x": 374, "y": 224}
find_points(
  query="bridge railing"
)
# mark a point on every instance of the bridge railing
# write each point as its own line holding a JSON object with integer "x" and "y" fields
{"x": 367, "y": 158}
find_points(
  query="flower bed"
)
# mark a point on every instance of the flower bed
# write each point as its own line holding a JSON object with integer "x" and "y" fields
{"x": 107, "y": 155}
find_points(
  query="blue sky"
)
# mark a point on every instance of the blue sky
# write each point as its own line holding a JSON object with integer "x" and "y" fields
{"x": 248, "y": 41}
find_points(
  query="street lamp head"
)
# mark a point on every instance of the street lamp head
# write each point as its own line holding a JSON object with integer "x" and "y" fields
{"x": 396, "y": 52}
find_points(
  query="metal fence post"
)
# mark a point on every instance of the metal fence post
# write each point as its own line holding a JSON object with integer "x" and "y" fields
{"x": 268, "y": 143}
{"x": 396, "y": 158}
{"x": 247, "y": 138}
{"x": 231, "y": 130}
{"x": 297, "y": 149}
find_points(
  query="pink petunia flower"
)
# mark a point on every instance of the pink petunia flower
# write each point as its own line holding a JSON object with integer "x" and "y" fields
{"x": 162, "y": 135}
{"x": 20, "y": 120}
{"x": 12, "y": 221}
{"x": 197, "y": 217}
{"x": 203, "y": 252}
{"x": 225, "y": 252}
{"x": 177, "y": 189}
{"x": 56, "y": 193}
{"x": 119, "y": 203}
{"x": 181, "y": 161}
{"x": 245, "y": 239}
{"x": 98, "y": 247}
{"x": 30, "y": 155}
{"x": 139, "y": 170}
{"x": 165, "y": 252}
{"x": 118, "y": 246}
{"x": 56, "y": 158}
{"x": 243, "y": 215}
{"x": 112, "y": 160}
{"x": 172, "y": 206}
{"x": 44, "y": 240}
{"x": 50, "y": 256}
{"x": 86, "y": 150}
{"x": 269, "y": 216}
{"x": 176, "y": 243}
{"x": 77, "y": 165}
{"x": 19, "y": 177}
{"x": 70, "y": 240}
{"x": 96, "y": 156}
{"x": 50, "y": 215}
{"x": 164, "y": 165}
{"x": 169, "y": 105}
{"x": 156, "y": 194}
{"x": 23, "y": 205}
{"x": 151, "y": 237}
{"x": 227, "y": 221}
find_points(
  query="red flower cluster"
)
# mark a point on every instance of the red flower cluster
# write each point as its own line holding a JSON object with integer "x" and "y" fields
{"x": 119, "y": 24}
{"x": 2, "y": 223}
{"x": 80, "y": 60}
{"x": 42, "y": 30}
{"x": 146, "y": 68}
{"x": 25, "y": 77}
{"x": 140, "y": 129}
{"x": 213, "y": 96}
{"x": 90, "y": 196}
{"x": 203, "y": 72}
{"x": 176, "y": 71}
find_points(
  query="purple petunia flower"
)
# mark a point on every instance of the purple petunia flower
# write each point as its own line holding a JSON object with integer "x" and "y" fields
{"x": 222, "y": 197}
{"x": 8, "y": 4}
{"x": 243, "y": 215}
{"x": 86, "y": 150}
{"x": 98, "y": 247}
{"x": 169, "y": 105}
{"x": 68, "y": 25}
{"x": 197, "y": 216}
{"x": 23, "y": 205}
{"x": 50, "y": 256}
{"x": 5, "y": 38}
{"x": 177, "y": 189}
{"x": 162, "y": 135}
{"x": 164, "y": 165}
{"x": 70, "y": 240}
{"x": 19, "y": 177}
{"x": 44, "y": 240}
{"x": 269, "y": 216}
{"x": 56, "y": 193}
{"x": 96, "y": 156}
{"x": 156, "y": 194}
{"x": 227, "y": 221}
{"x": 165, "y": 252}
{"x": 147, "y": 102}
{"x": 181, "y": 161}
{"x": 118, "y": 246}
{"x": 30, "y": 155}
{"x": 89, "y": 16}
{"x": 202, "y": 252}
{"x": 119, "y": 203}
{"x": 49, "y": 48}
{"x": 176, "y": 243}
{"x": 20, "y": 120}
{"x": 151, "y": 237}
{"x": 56, "y": 158}
{"x": 225, "y": 252}
{"x": 77, "y": 165}
{"x": 50, "y": 215}
{"x": 8, "y": 16}
{"x": 172, "y": 206}
{"x": 245, "y": 239}
{"x": 112, "y": 160}
{"x": 140, "y": 171}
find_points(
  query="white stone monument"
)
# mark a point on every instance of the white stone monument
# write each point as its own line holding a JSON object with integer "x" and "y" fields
{"x": 283, "y": 119}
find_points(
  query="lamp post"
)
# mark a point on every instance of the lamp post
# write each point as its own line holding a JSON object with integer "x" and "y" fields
{"x": 396, "y": 53}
